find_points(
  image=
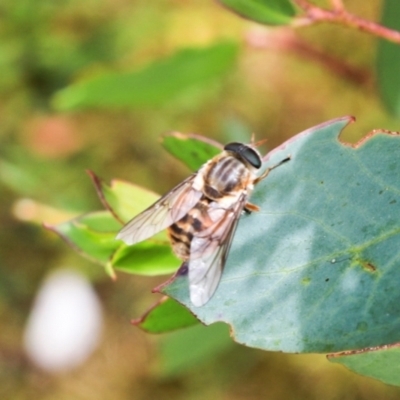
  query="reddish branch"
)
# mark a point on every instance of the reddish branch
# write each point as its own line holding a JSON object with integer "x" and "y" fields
{"x": 285, "y": 40}
{"x": 339, "y": 15}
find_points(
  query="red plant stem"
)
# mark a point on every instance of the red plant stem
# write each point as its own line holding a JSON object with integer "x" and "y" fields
{"x": 285, "y": 40}
{"x": 339, "y": 15}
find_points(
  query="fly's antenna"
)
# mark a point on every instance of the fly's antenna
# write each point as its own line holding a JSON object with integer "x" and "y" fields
{"x": 259, "y": 143}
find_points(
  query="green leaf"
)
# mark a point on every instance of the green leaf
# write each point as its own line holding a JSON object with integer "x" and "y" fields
{"x": 145, "y": 258}
{"x": 193, "y": 346}
{"x": 388, "y": 60}
{"x": 92, "y": 235}
{"x": 268, "y": 12}
{"x": 123, "y": 199}
{"x": 99, "y": 221}
{"x": 379, "y": 363}
{"x": 193, "y": 150}
{"x": 316, "y": 270}
{"x": 154, "y": 85}
{"x": 165, "y": 316}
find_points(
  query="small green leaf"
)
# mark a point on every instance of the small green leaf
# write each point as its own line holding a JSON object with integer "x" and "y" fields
{"x": 100, "y": 221}
{"x": 92, "y": 235}
{"x": 316, "y": 270}
{"x": 192, "y": 150}
{"x": 123, "y": 199}
{"x": 189, "y": 348}
{"x": 154, "y": 85}
{"x": 379, "y": 363}
{"x": 388, "y": 59}
{"x": 268, "y": 12}
{"x": 165, "y": 316}
{"x": 150, "y": 258}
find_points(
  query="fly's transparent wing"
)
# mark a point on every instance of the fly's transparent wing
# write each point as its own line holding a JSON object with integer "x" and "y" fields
{"x": 209, "y": 250}
{"x": 169, "y": 209}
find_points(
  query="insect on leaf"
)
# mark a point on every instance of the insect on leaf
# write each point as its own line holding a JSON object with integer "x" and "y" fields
{"x": 317, "y": 269}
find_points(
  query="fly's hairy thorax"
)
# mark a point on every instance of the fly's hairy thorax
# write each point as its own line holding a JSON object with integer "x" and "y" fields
{"x": 222, "y": 180}
{"x": 226, "y": 176}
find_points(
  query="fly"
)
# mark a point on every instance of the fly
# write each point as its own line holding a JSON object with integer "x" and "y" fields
{"x": 202, "y": 213}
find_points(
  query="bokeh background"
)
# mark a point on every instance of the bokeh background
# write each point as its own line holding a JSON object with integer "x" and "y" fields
{"x": 280, "y": 83}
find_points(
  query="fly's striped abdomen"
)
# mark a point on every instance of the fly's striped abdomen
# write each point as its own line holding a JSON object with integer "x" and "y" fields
{"x": 181, "y": 233}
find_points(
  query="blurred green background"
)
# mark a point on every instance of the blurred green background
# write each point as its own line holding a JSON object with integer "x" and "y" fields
{"x": 54, "y": 125}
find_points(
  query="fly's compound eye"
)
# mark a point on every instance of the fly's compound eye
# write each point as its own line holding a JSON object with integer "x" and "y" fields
{"x": 245, "y": 152}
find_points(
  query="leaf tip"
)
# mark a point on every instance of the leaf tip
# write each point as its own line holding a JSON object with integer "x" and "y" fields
{"x": 140, "y": 320}
{"x": 95, "y": 179}
{"x": 99, "y": 186}
{"x": 182, "y": 271}
{"x": 110, "y": 271}
{"x": 176, "y": 134}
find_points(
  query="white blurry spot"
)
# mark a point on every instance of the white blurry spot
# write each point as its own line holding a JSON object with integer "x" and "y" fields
{"x": 65, "y": 323}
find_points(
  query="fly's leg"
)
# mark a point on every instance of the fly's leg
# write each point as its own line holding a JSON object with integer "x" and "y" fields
{"x": 268, "y": 170}
{"x": 249, "y": 208}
